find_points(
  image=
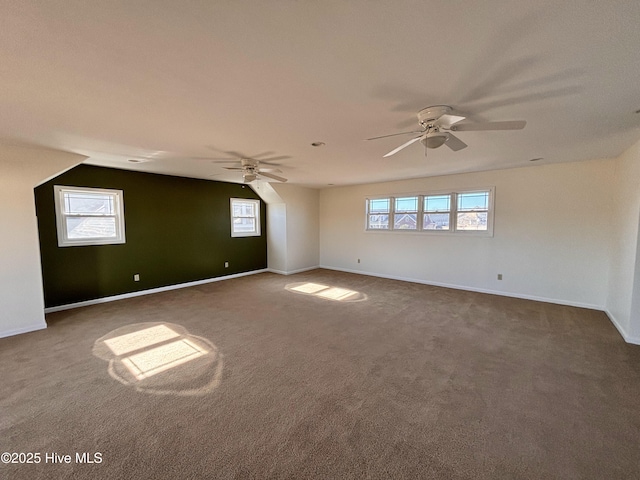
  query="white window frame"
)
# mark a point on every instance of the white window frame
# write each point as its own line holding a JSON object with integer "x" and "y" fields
{"x": 396, "y": 212}
{"x": 424, "y": 212}
{"x": 453, "y": 213}
{"x": 62, "y": 215}
{"x": 388, "y": 213}
{"x": 489, "y": 211}
{"x": 256, "y": 208}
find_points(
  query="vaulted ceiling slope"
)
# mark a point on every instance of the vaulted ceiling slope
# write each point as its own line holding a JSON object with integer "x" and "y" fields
{"x": 179, "y": 87}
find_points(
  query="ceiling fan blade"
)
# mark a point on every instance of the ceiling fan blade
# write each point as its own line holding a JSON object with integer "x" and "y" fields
{"x": 404, "y": 145}
{"x": 266, "y": 161}
{"x": 273, "y": 159}
{"x": 447, "y": 120}
{"x": 474, "y": 127}
{"x": 277, "y": 170}
{"x": 263, "y": 154}
{"x": 271, "y": 175}
{"x": 233, "y": 168}
{"x": 454, "y": 143}
{"x": 216, "y": 160}
{"x": 395, "y": 134}
{"x": 236, "y": 155}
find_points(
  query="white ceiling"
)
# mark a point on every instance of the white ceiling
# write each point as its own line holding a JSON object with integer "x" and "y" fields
{"x": 179, "y": 83}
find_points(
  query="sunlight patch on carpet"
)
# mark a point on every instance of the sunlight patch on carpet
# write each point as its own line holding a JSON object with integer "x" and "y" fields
{"x": 327, "y": 292}
{"x": 309, "y": 287}
{"x": 139, "y": 339}
{"x": 161, "y": 358}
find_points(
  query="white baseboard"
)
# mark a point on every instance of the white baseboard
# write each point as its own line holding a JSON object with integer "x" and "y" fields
{"x": 150, "y": 291}
{"x": 292, "y": 272}
{"x": 470, "y": 289}
{"x": 27, "y": 329}
{"x": 627, "y": 338}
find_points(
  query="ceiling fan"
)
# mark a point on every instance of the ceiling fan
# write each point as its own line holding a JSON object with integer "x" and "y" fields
{"x": 251, "y": 171}
{"x": 437, "y": 123}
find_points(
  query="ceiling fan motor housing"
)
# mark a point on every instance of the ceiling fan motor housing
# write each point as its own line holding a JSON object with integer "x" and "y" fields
{"x": 428, "y": 115}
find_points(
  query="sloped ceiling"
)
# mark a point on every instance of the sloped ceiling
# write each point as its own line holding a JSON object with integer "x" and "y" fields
{"x": 181, "y": 86}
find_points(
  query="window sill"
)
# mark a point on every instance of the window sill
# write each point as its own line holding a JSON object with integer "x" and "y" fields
{"x": 443, "y": 233}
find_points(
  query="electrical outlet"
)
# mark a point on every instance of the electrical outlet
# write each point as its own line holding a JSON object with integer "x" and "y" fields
{"x": 226, "y": 264}
{"x": 499, "y": 276}
{"x": 136, "y": 277}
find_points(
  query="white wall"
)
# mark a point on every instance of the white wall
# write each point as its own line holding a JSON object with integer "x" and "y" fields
{"x": 624, "y": 273}
{"x": 634, "y": 314}
{"x": 551, "y": 239}
{"x": 303, "y": 235}
{"x": 276, "y": 226}
{"x": 21, "y": 294}
{"x": 292, "y": 226}
{"x": 277, "y": 237}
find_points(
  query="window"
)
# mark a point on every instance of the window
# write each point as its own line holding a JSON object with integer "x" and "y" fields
{"x": 378, "y": 214}
{"x": 245, "y": 217}
{"x": 472, "y": 212}
{"x": 89, "y": 216}
{"x": 437, "y": 212}
{"x": 465, "y": 212}
{"x": 405, "y": 213}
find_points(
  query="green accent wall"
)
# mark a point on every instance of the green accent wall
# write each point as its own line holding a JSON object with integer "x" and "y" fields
{"x": 177, "y": 230}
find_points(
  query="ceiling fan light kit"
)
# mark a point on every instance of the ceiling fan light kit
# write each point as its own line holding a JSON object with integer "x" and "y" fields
{"x": 436, "y": 124}
{"x": 251, "y": 171}
{"x": 249, "y": 177}
{"x": 434, "y": 140}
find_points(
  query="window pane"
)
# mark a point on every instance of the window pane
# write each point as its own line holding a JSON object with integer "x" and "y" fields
{"x": 405, "y": 221}
{"x": 473, "y": 201}
{"x": 97, "y": 203}
{"x": 437, "y": 203}
{"x": 436, "y": 221}
{"x": 380, "y": 205}
{"x": 407, "y": 204}
{"x": 91, "y": 227}
{"x": 379, "y": 222}
{"x": 243, "y": 209}
{"x": 472, "y": 221}
{"x": 244, "y": 225}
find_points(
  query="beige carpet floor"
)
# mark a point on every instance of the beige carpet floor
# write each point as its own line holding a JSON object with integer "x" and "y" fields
{"x": 321, "y": 375}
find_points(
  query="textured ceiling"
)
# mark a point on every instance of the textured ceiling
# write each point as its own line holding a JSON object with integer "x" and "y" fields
{"x": 179, "y": 84}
